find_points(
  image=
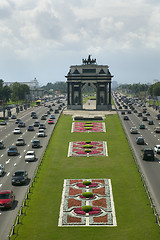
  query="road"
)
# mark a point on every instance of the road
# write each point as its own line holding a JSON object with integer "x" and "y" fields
{"x": 150, "y": 169}
{"x": 13, "y": 163}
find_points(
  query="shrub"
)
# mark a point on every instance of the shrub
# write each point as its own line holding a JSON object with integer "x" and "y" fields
{"x": 87, "y": 208}
{"x": 87, "y": 142}
{"x": 87, "y": 183}
{"x": 88, "y": 125}
{"x": 87, "y": 146}
{"x": 87, "y": 128}
{"x": 87, "y": 194}
{"x": 87, "y": 150}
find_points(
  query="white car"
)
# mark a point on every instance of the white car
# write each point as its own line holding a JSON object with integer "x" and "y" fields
{"x": 30, "y": 156}
{"x": 1, "y": 170}
{"x": 133, "y": 130}
{"x": 157, "y": 149}
{"x": 17, "y": 131}
{"x": 41, "y": 133}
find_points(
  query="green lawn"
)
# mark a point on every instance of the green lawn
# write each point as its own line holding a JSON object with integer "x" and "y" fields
{"x": 134, "y": 216}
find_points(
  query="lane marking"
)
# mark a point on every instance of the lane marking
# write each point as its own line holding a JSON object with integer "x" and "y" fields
{"x": 8, "y": 174}
{"x": 8, "y": 161}
{"x": 15, "y": 164}
{"x": 1, "y": 185}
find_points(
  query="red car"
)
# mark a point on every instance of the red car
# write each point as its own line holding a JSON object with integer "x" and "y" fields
{"x": 50, "y": 121}
{"x": 7, "y": 198}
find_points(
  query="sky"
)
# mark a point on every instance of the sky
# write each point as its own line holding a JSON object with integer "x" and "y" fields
{"x": 43, "y": 38}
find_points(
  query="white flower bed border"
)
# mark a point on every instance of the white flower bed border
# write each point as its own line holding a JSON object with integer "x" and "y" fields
{"x": 105, "y": 151}
{"x": 85, "y": 219}
{"x": 73, "y": 127}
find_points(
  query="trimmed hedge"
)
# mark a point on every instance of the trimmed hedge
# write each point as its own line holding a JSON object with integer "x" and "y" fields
{"x": 87, "y": 183}
{"x": 87, "y": 146}
{"x": 87, "y": 194}
{"x": 87, "y": 208}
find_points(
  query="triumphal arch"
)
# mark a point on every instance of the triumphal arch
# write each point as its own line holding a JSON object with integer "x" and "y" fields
{"x": 89, "y": 73}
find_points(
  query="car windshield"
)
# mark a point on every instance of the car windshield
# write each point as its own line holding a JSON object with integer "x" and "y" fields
{"x": 4, "y": 195}
{"x": 1, "y": 167}
{"x": 18, "y": 173}
{"x": 12, "y": 148}
{"x": 30, "y": 153}
{"x": 20, "y": 139}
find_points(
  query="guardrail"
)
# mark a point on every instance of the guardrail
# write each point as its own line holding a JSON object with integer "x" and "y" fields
{"x": 144, "y": 181}
{"x": 21, "y": 212}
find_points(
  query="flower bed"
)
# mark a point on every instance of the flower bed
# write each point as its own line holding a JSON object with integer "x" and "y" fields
{"x": 77, "y": 211}
{"x": 95, "y": 148}
{"x": 88, "y": 127}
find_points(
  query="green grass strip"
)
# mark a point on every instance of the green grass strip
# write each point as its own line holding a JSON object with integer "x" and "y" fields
{"x": 133, "y": 212}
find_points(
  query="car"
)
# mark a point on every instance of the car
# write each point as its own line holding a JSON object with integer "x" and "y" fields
{"x": 123, "y": 113}
{"x": 21, "y": 124}
{"x": 33, "y": 113}
{"x": 36, "y": 143}
{"x": 1, "y": 145}
{"x": 139, "y": 114}
{"x": 56, "y": 111}
{"x": 147, "y": 114}
{"x": 13, "y": 116}
{"x": 135, "y": 111}
{"x": 157, "y": 149}
{"x": 51, "y": 109}
{"x": 36, "y": 124}
{"x": 144, "y": 111}
{"x": 125, "y": 118}
{"x": 150, "y": 122}
{"x": 20, "y": 142}
{"x": 30, "y": 128}
{"x": 43, "y": 117}
{"x": 52, "y": 117}
{"x": 7, "y": 198}
{"x": 3, "y": 123}
{"x": 12, "y": 151}
{"x": 158, "y": 116}
{"x": 18, "y": 120}
{"x": 142, "y": 126}
{"x": 147, "y": 154}
{"x": 48, "y": 112}
{"x": 19, "y": 177}
{"x": 1, "y": 170}
{"x": 41, "y": 133}
{"x": 17, "y": 131}
{"x": 144, "y": 118}
{"x": 50, "y": 121}
{"x": 42, "y": 126}
{"x": 30, "y": 156}
{"x": 129, "y": 112}
{"x": 140, "y": 141}
{"x": 34, "y": 117}
{"x": 157, "y": 130}
{"x": 133, "y": 130}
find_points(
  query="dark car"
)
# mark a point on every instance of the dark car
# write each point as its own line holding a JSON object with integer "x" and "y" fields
{"x": 56, "y": 111}
{"x": 158, "y": 116}
{"x": 18, "y": 120}
{"x": 36, "y": 143}
{"x": 12, "y": 151}
{"x": 125, "y": 118}
{"x": 147, "y": 154}
{"x": 150, "y": 122}
{"x": 19, "y": 177}
{"x": 144, "y": 119}
{"x": 50, "y": 121}
{"x": 142, "y": 126}
{"x": 122, "y": 113}
{"x": 157, "y": 129}
{"x": 147, "y": 114}
{"x": 33, "y": 113}
{"x": 30, "y": 128}
{"x": 139, "y": 114}
{"x": 36, "y": 124}
{"x": 140, "y": 141}
{"x": 34, "y": 117}
{"x": 7, "y": 198}
{"x": 43, "y": 117}
{"x": 42, "y": 126}
{"x": 1, "y": 145}
{"x": 13, "y": 117}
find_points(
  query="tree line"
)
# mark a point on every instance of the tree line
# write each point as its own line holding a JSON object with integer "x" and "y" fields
{"x": 137, "y": 89}
{"x": 15, "y": 92}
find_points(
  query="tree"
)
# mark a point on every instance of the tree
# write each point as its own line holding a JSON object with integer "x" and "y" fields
{"x": 19, "y": 91}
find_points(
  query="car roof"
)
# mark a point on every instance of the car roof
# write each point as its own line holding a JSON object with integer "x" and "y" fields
{"x": 157, "y": 145}
{"x": 30, "y": 152}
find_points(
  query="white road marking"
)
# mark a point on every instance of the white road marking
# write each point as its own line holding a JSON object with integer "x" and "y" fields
{"x": 1, "y": 185}
{"x": 20, "y": 156}
{"x": 8, "y": 161}
{"x": 8, "y": 174}
{"x": 15, "y": 164}
{"x": 2, "y": 155}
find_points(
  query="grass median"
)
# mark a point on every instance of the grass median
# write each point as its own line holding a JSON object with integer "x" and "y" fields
{"x": 135, "y": 219}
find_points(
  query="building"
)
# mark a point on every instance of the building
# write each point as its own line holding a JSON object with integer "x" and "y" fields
{"x": 34, "y": 84}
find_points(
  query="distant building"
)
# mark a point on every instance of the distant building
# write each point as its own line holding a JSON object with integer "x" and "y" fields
{"x": 34, "y": 84}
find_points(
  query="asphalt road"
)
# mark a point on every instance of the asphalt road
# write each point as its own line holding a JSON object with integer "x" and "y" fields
{"x": 13, "y": 163}
{"x": 150, "y": 169}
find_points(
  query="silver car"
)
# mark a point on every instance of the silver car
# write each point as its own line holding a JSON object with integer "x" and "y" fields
{"x": 30, "y": 156}
{"x": 1, "y": 170}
